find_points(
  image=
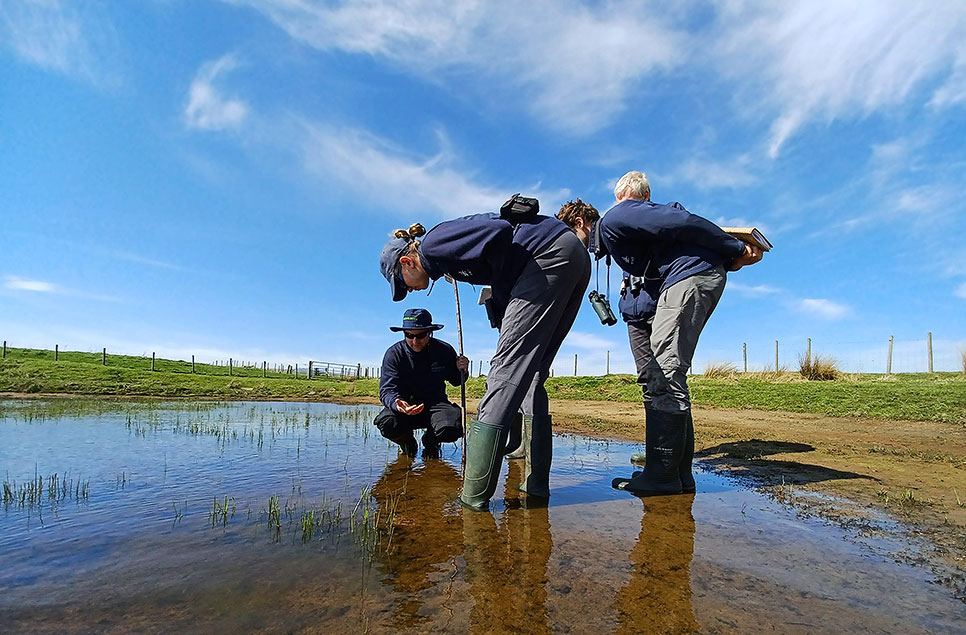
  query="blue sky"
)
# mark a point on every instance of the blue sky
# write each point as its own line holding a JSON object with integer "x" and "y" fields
{"x": 217, "y": 178}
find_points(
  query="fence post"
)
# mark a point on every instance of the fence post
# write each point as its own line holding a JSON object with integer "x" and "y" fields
{"x": 56, "y": 352}
{"x": 889, "y": 358}
{"x": 104, "y": 356}
{"x": 744, "y": 354}
{"x": 5, "y": 349}
{"x": 808, "y": 355}
{"x": 358, "y": 370}
{"x": 929, "y": 340}
{"x": 230, "y": 360}
{"x": 264, "y": 368}
{"x": 776, "y": 356}
{"x": 575, "y": 364}
{"x": 310, "y": 369}
{"x": 152, "y": 361}
{"x": 608, "y": 362}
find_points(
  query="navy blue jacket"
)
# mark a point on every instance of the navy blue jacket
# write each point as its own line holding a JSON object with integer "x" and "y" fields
{"x": 417, "y": 378}
{"x": 638, "y": 300}
{"x": 485, "y": 249}
{"x": 664, "y": 243}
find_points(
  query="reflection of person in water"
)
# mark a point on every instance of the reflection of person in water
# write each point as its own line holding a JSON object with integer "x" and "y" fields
{"x": 426, "y": 532}
{"x": 506, "y": 566}
{"x": 657, "y": 598}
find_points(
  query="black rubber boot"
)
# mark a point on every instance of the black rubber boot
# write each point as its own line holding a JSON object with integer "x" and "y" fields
{"x": 430, "y": 445}
{"x": 523, "y": 423}
{"x": 484, "y": 450}
{"x": 407, "y": 445}
{"x": 539, "y": 453}
{"x": 664, "y": 445}
{"x": 684, "y": 471}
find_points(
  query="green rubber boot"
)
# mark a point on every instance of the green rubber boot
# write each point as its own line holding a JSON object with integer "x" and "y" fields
{"x": 539, "y": 453}
{"x": 664, "y": 445}
{"x": 519, "y": 450}
{"x": 484, "y": 450}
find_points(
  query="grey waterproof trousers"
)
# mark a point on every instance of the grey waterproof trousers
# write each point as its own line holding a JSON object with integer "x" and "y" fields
{"x": 543, "y": 305}
{"x": 663, "y": 346}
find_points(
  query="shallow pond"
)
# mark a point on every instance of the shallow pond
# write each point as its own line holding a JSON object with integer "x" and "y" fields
{"x": 282, "y": 517}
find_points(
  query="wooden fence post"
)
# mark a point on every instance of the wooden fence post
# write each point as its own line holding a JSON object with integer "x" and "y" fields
{"x": 776, "y": 356}
{"x": 358, "y": 370}
{"x": 808, "y": 355}
{"x": 575, "y": 364}
{"x": 889, "y": 358}
{"x": 264, "y": 368}
{"x": 608, "y": 363}
{"x": 744, "y": 354}
{"x": 56, "y": 352}
{"x": 104, "y": 356}
{"x": 929, "y": 340}
{"x": 310, "y": 369}
{"x": 230, "y": 361}
{"x": 152, "y": 360}
{"x": 5, "y": 349}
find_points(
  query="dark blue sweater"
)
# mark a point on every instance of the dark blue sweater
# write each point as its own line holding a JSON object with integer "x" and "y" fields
{"x": 417, "y": 378}
{"x": 664, "y": 243}
{"x": 485, "y": 249}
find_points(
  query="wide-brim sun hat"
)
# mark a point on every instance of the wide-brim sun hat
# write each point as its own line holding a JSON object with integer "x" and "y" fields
{"x": 417, "y": 320}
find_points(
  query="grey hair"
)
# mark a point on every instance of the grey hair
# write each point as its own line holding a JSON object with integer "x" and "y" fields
{"x": 634, "y": 184}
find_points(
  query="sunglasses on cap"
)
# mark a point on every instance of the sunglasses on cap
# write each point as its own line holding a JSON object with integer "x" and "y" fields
{"x": 417, "y": 336}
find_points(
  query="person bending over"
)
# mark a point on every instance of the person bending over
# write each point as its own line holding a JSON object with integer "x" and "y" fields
{"x": 412, "y": 387}
{"x": 537, "y": 269}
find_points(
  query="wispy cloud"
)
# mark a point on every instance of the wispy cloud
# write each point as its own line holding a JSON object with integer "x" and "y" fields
{"x": 66, "y": 37}
{"x": 589, "y": 341}
{"x": 826, "y": 60}
{"x": 207, "y": 109}
{"x": 574, "y": 67}
{"x": 18, "y": 284}
{"x": 821, "y": 308}
{"x": 705, "y": 174}
{"x": 358, "y": 158}
{"x": 753, "y": 290}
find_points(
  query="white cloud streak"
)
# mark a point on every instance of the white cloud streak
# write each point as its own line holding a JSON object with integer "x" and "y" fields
{"x": 207, "y": 109}
{"x": 16, "y": 283}
{"x": 820, "y": 59}
{"x": 823, "y": 309}
{"x": 573, "y": 67}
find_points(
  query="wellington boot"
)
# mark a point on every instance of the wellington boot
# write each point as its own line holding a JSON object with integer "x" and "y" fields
{"x": 664, "y": 445}
{"x": 684, "y": 470}
{"x": 407, "y": 445}
{"x": 539, "y": 453}
{"x": 430, "y": 445}
{"x": 484, "y": 451}
{"x": 519, "y": 450}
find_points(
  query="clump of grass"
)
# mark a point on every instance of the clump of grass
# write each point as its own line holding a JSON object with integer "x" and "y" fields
{"x": 720, "y": 370}
{"x": 818, "y": 367}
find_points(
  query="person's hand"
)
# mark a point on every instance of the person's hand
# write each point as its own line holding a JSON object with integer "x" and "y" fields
{"x": 407, "y": 409}
{"x": 751, "y": 256}
{"x": 462, "y": 363}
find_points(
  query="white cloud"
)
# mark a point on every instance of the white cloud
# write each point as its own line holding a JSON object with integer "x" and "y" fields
{"x": 16, "y": 283}
{"x": 960, "y": 291}
{"x": 825, "y": 60}
{"x": 71, "y": 38}
{"x": 589, "y": 341}
{"x": 705, "y": 174}
{"x": 753, "y": 290}
{"x": 825, "y": 309}
{"x": 433, "y": 184}
{"x": 206, "y": 108}
{"x": 572, "y": 66}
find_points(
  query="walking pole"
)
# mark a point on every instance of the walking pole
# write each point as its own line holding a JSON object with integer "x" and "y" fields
{"x": 459, "y": 333}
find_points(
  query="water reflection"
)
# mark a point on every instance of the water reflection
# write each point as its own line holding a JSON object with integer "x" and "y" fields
{"x": 506, "y": 564}
{"x": 657, "y": 598}
{"x": 425, "y": 534}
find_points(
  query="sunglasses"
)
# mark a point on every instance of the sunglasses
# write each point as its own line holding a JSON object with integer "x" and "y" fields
{"x": 417, "y": 336}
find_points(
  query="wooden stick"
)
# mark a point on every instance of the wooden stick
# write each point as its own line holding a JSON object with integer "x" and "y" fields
{"x": 459, "y": 333}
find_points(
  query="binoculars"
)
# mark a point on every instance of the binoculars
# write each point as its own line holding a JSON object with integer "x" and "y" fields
{"x": 602, "y": 307}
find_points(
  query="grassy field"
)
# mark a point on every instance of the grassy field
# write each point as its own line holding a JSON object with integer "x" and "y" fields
{"x": 929, "y": 397}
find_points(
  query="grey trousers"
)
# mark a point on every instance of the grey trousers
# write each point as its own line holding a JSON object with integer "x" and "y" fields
{"x": 543, "y": 305}
{"x": 663, "y": 346}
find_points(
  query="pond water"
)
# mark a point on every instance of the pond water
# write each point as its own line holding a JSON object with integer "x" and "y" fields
{"x": 294, "y": 517}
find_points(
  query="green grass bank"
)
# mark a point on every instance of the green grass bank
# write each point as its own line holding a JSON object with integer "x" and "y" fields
{"x": 928, "y": 397}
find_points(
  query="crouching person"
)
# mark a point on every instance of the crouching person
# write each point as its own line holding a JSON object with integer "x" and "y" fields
{"x": 412, "y": 387}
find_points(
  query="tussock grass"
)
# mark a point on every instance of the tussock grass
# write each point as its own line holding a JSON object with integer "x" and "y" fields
{"x": 818, "y": 367}
{"x": 720, "y": 370}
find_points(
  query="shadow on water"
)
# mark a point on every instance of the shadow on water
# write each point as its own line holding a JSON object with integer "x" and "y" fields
{"x": 330, "y": 530}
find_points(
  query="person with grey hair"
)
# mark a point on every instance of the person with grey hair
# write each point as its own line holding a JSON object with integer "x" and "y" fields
{"x": 681, "y": 261}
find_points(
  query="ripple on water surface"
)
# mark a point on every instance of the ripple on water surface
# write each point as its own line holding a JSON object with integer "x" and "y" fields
{"x": 293, "y": 516}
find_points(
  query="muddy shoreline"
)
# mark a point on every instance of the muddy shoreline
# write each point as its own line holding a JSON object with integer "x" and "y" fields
{"x": 848, "y": 471}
